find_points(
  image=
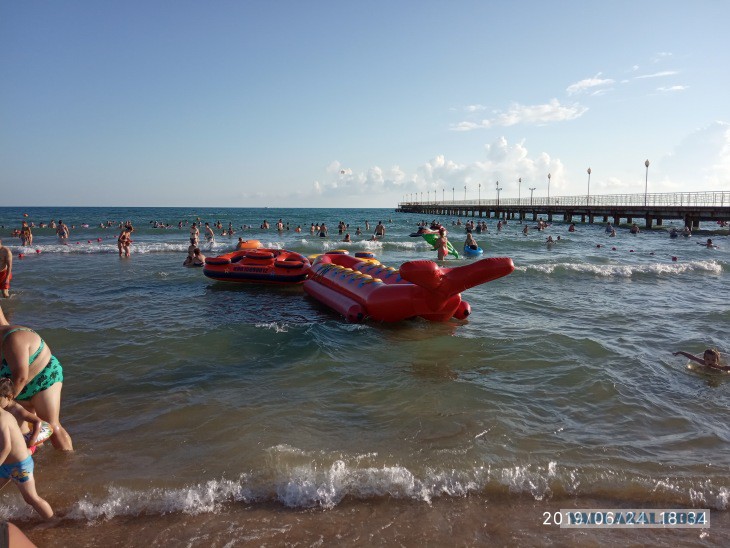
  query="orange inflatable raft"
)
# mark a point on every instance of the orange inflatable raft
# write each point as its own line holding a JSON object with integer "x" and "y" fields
{"x": 361, "y": 288}
{"x": 258, "y": 265}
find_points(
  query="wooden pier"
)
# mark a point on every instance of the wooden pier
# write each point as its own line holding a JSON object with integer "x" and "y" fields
{"x": 691, "y": 207}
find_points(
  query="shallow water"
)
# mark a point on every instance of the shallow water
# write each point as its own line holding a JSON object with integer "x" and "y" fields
{"x": 217, "y": 413}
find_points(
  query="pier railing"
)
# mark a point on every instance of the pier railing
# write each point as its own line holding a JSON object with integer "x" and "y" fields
{"x": 671, "y": 199}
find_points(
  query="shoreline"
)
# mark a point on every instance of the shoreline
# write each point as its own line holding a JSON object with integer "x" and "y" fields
{"x": 471, "y": 520}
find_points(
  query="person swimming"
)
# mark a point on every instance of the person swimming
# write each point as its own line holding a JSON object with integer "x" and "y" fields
{"x": 710, "y": 358}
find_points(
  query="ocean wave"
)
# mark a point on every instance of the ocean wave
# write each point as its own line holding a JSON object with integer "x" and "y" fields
{"x": 625, "y": 270}
{"x": 90, "y": 247}
{"x": 299, "y": 479}
{"x": 276, "y": 327}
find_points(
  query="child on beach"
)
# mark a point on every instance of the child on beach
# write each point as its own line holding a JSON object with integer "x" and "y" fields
{"x": 17, "y": 462}
{"x": 710, "y": 358}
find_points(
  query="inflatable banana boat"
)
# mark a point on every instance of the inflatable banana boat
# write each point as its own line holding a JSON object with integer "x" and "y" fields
{"x": 269, "y": 266}
{"x": 361, "y": 288}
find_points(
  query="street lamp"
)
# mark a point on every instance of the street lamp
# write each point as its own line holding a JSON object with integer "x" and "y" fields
{"x": 498, "y": 189}
{"x": 588, "y": 199}
{"x": 531, "y": 189}
{"x": 548, "y": 189}
{"x": 453, "y": 198}
{"x": 465, "y": 193}
{"x": 519, "y": 186}
{"x": 646, "y": 183}
{"x": 443, "y": 195}
{"x": 421, "y": 196}
{"x": 480, "y": 193}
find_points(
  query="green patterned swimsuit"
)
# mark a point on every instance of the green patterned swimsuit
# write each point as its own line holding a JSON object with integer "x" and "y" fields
{"x": 49, "y": 375}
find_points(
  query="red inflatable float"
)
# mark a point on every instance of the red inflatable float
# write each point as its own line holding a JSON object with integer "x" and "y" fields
{"x": 271, "y": 266}
{"x": 361, "y": 288}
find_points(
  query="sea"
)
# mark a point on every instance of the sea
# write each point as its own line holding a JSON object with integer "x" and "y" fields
{"x": 220, "y": 414}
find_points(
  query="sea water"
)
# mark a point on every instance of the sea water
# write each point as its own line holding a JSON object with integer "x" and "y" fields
{"x": 210, "y": 413}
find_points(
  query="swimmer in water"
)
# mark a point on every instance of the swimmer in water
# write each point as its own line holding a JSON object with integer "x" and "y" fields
{"x": 708, "y": 244}
{"x": 710, "y": 358}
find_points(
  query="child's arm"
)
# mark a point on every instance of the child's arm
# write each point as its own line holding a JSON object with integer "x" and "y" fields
{"x": 22, "y": 414}
{"x": 690, "y": 356}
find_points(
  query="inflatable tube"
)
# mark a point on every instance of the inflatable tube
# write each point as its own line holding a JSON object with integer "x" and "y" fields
{"x": 220, "y": 260}
{"x": 272, "y": 266}
{"x": 364, "y": 255}
{"x": 259, "y": 255}
{"x": 417, "y": 288}
{"x": 431, "y": 239}
{"x": 469, "y": 252}
{"x": 347, "y": 307}
{"x": 46, "y": 432}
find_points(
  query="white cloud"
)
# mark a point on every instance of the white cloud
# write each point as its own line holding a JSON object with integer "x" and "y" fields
{"x": 588, "y": 83}
{"x": 339, "y": 180}
{"x": 552, "y": 111}
{"x": 502, "y": 161}
{"x": 474, "y": 108}
{"x": 672, "y": 88}
{"x": 661, "y": 56}
{"x": 701, "y": 161}
{"x": 657, "y": 74}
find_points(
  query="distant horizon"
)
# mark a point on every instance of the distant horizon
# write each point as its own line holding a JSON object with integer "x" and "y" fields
{"x": 485, "y": 200}
{"x": 329, "y": 104}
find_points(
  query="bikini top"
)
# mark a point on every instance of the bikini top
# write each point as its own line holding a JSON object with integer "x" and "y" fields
{"x": 35, "y": 354}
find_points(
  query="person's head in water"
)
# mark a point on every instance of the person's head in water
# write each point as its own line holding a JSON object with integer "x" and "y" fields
{"x": 711, "y": 357}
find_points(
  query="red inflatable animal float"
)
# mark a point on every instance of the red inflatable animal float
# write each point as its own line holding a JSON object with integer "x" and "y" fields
{"x": 362, "y": 288}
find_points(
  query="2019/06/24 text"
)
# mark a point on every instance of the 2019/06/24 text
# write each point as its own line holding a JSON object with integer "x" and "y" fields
{"x": 627, "y": 518}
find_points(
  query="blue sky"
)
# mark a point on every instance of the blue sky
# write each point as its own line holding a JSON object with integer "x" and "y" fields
{"x": 349, "y": 104}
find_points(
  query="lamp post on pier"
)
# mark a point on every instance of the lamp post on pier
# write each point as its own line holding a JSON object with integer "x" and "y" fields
{"x": 646, "y": 182}
{"x": 453, "y": 196}
{"x": 498, "y": 189}
{"x": 465, "y": 193}
{"x": 480, "y": 194}
{"x": 519, "y": 187}
{"x": 588, "y": 198}
{"x": 549, "y": 189}
{"x": 443, "y": 195}
{"x": 531, "y": 189}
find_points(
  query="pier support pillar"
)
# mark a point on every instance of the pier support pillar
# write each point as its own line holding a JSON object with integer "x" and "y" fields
{"x": 616, "y": 220}
{"x": 659, "y": 221}
{"x": 648, "y": 221}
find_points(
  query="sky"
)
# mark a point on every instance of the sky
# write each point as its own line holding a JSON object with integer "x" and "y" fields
{"x": 359, "y": 104}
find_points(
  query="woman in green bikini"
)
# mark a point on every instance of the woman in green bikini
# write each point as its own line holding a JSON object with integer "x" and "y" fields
{"x": 37, "y": 376}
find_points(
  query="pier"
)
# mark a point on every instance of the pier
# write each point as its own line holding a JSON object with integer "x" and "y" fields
{"x": 691, "y": 207}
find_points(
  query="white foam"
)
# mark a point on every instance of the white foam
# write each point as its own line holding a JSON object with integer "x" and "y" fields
{"x": 301, "y": 479}
{"x": 274, "y": 326}
{"x": 626, "y": 271}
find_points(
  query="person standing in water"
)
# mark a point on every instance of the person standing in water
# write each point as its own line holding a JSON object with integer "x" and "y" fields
{"x": 62, "y": 231}
{"x": 6, "y": 270}
{"x": 37, "y": 377}
{"x": 442, "y": 244}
